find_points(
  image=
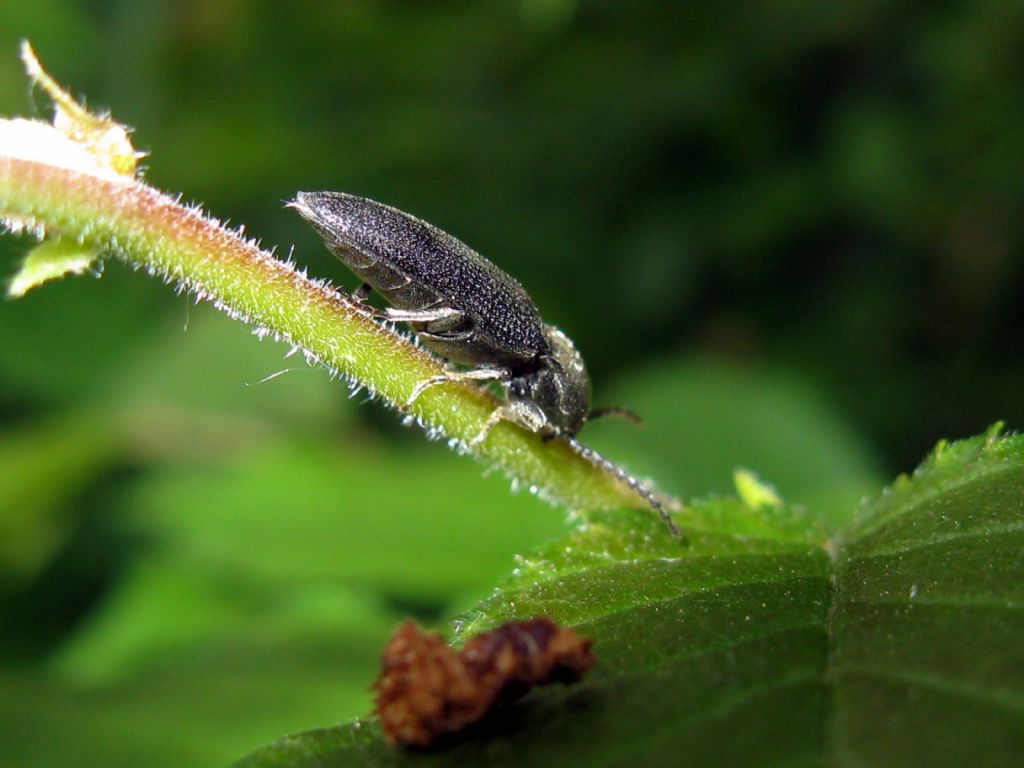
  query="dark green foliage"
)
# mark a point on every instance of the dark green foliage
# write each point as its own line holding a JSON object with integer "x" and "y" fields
{"x": 787, "y": 235}
{"x": 753, "y": 647}
{"x": 831, "y": 187}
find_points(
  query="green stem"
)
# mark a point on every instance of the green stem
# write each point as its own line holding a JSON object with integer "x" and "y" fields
{"x": 147, "y": 229}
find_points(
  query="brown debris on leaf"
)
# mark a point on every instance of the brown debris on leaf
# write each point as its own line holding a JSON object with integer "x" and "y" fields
{"x": 427, "y": 689}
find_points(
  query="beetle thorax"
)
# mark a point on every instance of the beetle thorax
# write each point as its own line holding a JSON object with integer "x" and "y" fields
{"x": 557, "y": 384}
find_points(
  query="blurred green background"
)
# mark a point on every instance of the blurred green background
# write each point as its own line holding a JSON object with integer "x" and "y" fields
{"x": 788, "y": 234}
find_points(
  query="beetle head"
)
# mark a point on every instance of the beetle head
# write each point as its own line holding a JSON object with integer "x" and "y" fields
{"x": 558, "y": 387}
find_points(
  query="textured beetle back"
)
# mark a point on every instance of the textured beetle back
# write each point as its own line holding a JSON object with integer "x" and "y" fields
{"x": 427, "y": 267}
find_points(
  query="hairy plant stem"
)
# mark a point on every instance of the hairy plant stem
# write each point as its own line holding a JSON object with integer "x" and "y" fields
{"x": 145, "y": 228}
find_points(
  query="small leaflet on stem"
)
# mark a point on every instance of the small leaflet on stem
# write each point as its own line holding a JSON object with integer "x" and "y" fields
{"x": 753, "y": 491}
{"x": 50, "y": 260}
{"x": 104, "y": 138}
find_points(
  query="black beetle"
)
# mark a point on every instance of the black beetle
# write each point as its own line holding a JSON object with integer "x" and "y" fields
{"x": 460, "y": 305}
{"x": 467, "y": 310}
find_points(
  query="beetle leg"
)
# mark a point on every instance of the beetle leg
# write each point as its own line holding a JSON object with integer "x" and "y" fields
{"x": 522, "y": 412}
{"x": 497, "y": 415}
{"x": 617, "y": 412}
{"x": 422, "y": 315}
{"x": 360, "y": 294}
{"x": 448, "y": 337}
{"x": 406, "y": 281}
{"x": 476, "y": 374}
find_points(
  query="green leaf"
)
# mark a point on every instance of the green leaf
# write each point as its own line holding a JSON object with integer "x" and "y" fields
{"x": 323, "y": 513}
{"x": 927, "y": 661}
{"x": 705, "y": 419}
{"x": 897, "y": 644}
{"x": 45, "y": 466}
{"x": 50, "y": 260}
{"x": 171, "y": 710}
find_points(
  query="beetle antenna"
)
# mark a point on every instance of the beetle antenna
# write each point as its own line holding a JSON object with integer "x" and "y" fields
{"x": 617, "y": 412}
{"x": 641, "y": 490}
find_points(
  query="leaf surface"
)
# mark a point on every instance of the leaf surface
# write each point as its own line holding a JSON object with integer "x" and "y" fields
{"x": 763, "y": 642}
